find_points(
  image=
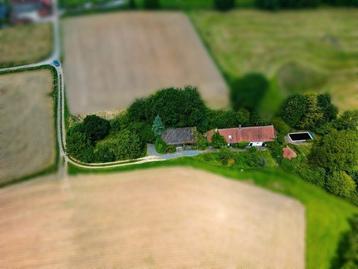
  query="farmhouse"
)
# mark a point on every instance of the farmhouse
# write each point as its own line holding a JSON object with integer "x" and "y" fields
{"x": 24, "y": 11}
{"x": 179, "y": 136}
{"x": 256, "y": 135}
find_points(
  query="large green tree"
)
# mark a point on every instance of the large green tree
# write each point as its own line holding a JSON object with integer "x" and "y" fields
{"x": 95, "y": 127}
{"x": 336, "y": 151}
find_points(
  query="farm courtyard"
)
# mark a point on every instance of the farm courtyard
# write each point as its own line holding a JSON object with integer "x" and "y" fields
{"x": 112, "y": 59}
{"x": 27, "y": 137}
{"x": 158, "y": 218}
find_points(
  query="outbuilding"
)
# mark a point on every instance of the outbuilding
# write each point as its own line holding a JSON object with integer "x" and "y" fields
{"x": 179, "y": 136}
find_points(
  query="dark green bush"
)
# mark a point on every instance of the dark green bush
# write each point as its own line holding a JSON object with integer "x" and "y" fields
{"x": 293, "y": 109}
{"x": 123, "y": 145}
{"x": 162, "y": 147}
{"x": 336, "y": 151}
{"x": 177, "y": 108}
{"x": 78, "y": 144}
{"x": 224, "y": 5}
{"x": 341, "y": 184}
{"x": 151, "y": 4}
{"x": 227, "y": 118}
{"x": 201, "y": 142}
{"x": 95, "y": 128}
{"x": 218, "y": 141}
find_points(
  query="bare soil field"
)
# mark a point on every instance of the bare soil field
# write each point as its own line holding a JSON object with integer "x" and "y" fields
{"x": 27, "y": 131}
{"x": 158, "y": 218}
{"x": 112, "y": 59}
{"x": 25, "y": 44}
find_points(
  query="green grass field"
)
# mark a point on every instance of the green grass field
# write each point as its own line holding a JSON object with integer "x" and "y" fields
{"x": 299, "y": 51}
{"x": 326, "y": 214}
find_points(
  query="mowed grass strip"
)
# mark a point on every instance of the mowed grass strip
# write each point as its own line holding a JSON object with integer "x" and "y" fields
{"x": 25, "y": 44}
{"x": 27, "y": 124}
{"x": 326, "y": 215}
{"x": 308, "y": 50}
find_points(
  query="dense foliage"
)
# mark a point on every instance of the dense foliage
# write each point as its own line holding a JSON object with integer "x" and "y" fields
{"x": 151, "y": 4}
{"x": 97, "y": 140}
{"x": 336, "y": 151}
{"x": 224, "y": 5}
{"x": 162, "y": 147}
{"x": 218, "y": 141}
{"x": 248, "y": 91}
{"x": 309, "y": 111}
{"x": 177, "y": 108}
{"x": 95, "y": 128}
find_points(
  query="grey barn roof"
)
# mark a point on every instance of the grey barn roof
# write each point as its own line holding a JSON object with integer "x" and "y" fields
{"x": 179, "y": 136}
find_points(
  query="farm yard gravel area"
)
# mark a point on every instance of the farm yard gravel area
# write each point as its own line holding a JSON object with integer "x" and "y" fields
{"x": 112, "y": 59}
{"x": 27, "y": 124}
{"x": 157, "y": 218}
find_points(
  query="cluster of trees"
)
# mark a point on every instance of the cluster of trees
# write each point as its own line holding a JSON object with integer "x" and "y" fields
{"x": 222, "y": 5}
{"x": 184, "y": 108}
{"x": 309, "y": 111}
{"x": 124, "y": 137}
{"x": 98, "y": 140}
{"x": 333, "y": 159}
{"x": 296, "y": 4}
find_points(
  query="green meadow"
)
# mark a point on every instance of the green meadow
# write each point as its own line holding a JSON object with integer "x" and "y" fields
{"x": 298, "y": 51}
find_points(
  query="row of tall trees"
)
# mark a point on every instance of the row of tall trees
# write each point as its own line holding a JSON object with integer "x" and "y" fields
{"x": 296, "y": 4}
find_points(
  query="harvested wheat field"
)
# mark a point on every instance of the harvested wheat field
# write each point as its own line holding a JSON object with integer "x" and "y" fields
{"x": 27, "y": 131}
{"x": 159, "y": 218}
{"x": 25, "y": 44}
{"x": 115, "y": 58}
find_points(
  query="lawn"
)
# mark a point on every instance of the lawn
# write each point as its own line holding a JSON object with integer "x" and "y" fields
{"x": 25, "y": 44}
{"x": 326, "y": 214}
{"x": 308, "y": 50}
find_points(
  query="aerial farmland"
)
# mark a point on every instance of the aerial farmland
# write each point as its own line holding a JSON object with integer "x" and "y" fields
{"x": 112, "y": 59}
{"x": 27, "y": 137}
{"x": 156, "y": 218}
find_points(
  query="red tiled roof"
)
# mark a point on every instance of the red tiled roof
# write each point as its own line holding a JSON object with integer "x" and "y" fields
{"x": 288, "y": 153}
{"x": 245, "y": 134}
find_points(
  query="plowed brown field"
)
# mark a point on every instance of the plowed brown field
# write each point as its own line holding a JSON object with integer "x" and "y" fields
{"x": 112, "y": 59}
{"x": 160, "y": 218}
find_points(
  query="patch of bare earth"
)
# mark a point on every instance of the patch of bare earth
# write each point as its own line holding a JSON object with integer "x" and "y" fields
{"x": 27, "y": 131}
{"x": 159, "y": 218}
{"x": 115, "y": 58}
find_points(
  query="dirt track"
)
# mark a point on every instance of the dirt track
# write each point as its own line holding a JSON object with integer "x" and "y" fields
{"x": 112, "y": 59}
{"x": 161, "y": 218}
{"x": 27, "y": 133}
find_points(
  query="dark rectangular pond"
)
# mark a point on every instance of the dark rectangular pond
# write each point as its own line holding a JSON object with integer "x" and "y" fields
{"x": 300, "y": 136}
